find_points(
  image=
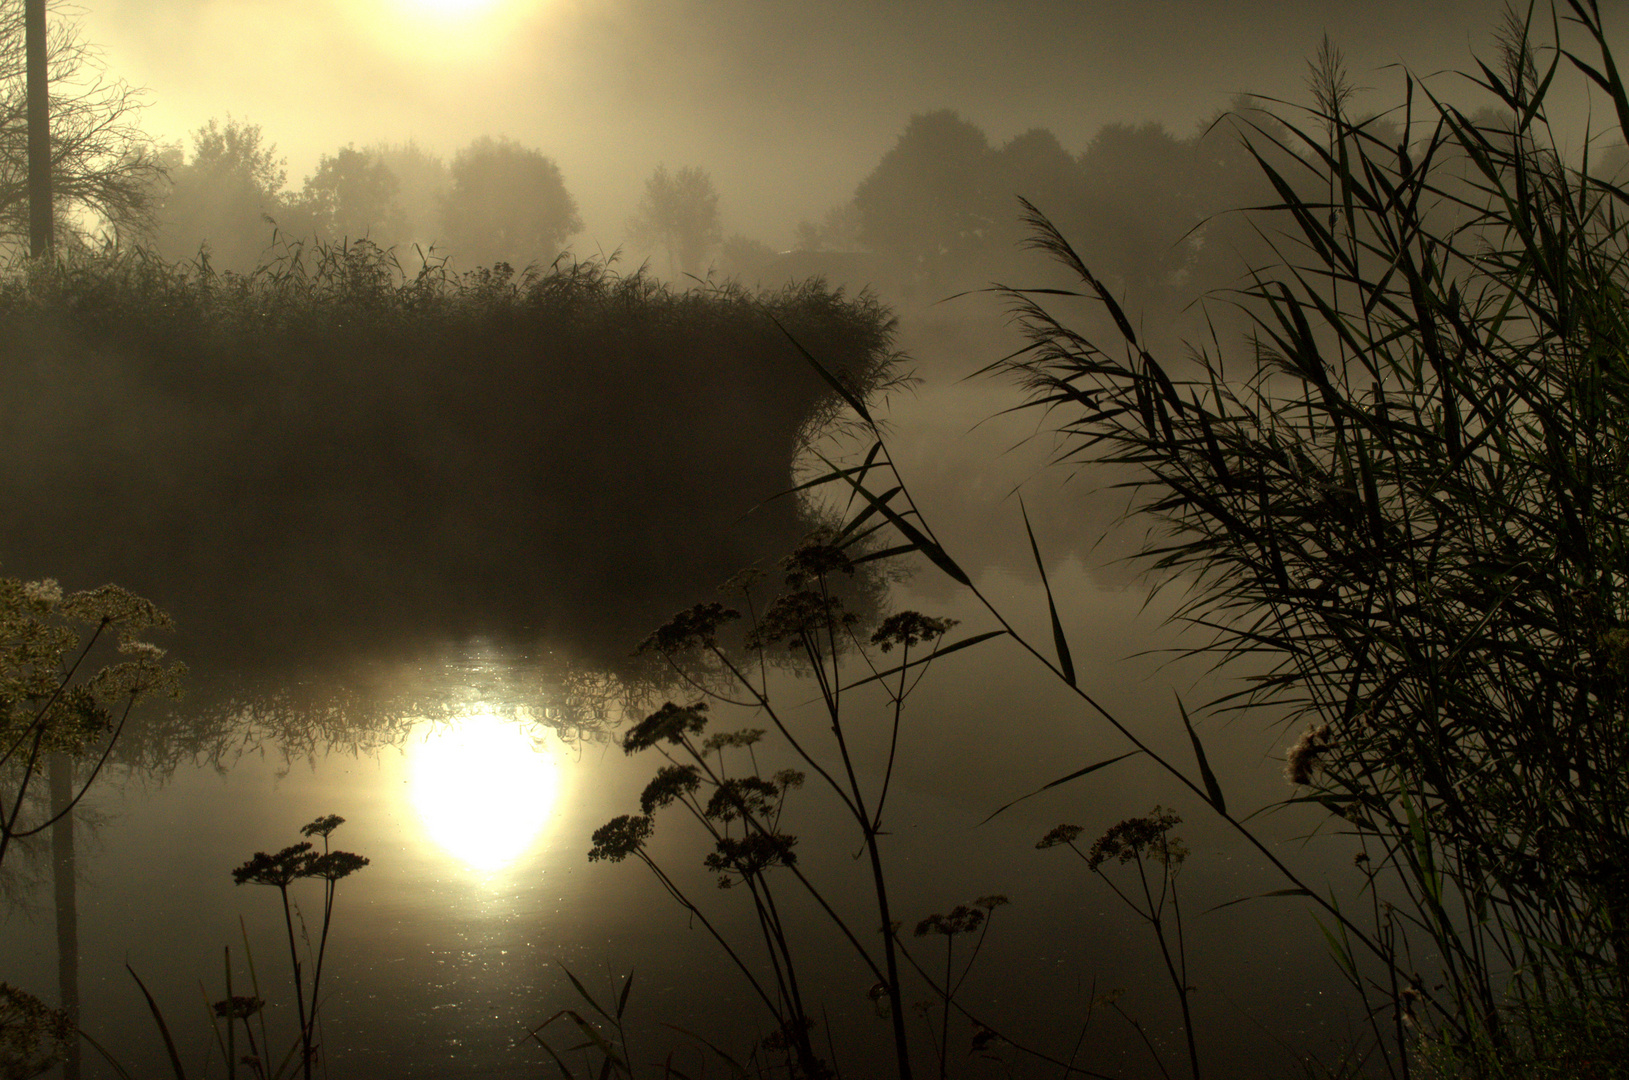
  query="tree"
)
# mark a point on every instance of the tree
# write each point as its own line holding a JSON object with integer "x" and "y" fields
{"x": 679, "y": 213}
{"x": 930, "y": 204}
{"x": 353, "y": 195}
{"x": 225, "y": 201}
{"x": 507, "y": 203}
{"x": 423, "y": 182}
{"x": 102, "y": 165}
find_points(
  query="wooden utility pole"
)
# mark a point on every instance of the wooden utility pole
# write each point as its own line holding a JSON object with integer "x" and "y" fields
{"x": 40, "y": 231}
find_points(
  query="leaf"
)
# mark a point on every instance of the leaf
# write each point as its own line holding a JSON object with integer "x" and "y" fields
{"x": 1342, "y": 955}
{"x": 831, "y": 380}
{"x": 1078, "y": 773}
{"x": 1259, "y": 896}
{"x": 934, "y": 655}
{"x": 163, "y": 1028}
{"x": 1211, "y": 786}
{"x": 1061, "y": 643}
{"x": 622, "y": 999}
{"x": 933, "y": 551}
{"x": 586, "y": 996}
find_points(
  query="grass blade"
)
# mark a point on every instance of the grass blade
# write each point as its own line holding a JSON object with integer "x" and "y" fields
{"x": 163, "y": 1028}
{"x": 934, "y": 655}
{"x": 1078, "y": 773}
{"x": 1211, "y": 786}
{"x": 1061, "y": 643}
{"x": 586, "y": 996}
{"x": 1258, "y": 896}
{"x": 933, "y": 551}
{"x": 831, "y": 380}
{"x": 622, "y": 998}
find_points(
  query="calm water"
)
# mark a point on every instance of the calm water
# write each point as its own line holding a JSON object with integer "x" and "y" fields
{"x": 473, "y": 779}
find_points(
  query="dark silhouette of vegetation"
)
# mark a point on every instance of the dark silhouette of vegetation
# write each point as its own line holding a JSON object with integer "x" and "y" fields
{"x": 1411, "y": 507}
{"x": 353, "y": 196}
{"x": 329, "y": 450}
{"x": 220, "y": 205}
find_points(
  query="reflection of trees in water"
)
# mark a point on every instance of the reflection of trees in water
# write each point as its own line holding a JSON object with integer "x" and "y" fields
{"x": 367, "y": 710}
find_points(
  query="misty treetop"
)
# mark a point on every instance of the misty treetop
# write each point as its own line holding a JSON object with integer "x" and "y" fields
{"x": 228, "y": 204}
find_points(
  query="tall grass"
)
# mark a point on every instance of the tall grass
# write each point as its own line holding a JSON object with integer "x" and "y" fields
{"x": 332, "y": 451}
{"x": 1410, "y": 505}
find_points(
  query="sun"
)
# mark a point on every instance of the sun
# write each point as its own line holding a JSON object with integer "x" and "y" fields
{"x": 484, "y": 792}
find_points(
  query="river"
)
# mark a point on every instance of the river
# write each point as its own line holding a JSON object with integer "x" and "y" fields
{"x": 472, "y": 778}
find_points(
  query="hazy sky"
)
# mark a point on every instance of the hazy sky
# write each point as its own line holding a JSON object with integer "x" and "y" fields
{"x": 788, "y": 104}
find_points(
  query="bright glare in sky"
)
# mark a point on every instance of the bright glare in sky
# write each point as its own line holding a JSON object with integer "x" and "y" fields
{"x": 453, "y": 7}
{"x": 482, "y": 790}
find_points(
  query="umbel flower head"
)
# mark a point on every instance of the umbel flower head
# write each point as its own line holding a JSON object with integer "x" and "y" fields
{"x": 670, "y": 782}
{"x": 750, "y": 855}
{"x": 796, "y": 615}
{"x": 962, "y": 919}
{"x": 620, "y": 837}
{"x": 1062, "y": 834}
{"x": 688, "y": 629}
{"x": 908, "y": 628}
{"x": 816, "y": 559}
{"x": 671, "y": 723}
{"x": 322, "y": 826}
{"x": 1138, "y": 836}
{"x": 279, "y": 869}
{"x": 238, "y": 1007}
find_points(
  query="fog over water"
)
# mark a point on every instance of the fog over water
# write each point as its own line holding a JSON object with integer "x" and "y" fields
{"x": 411, "y": 558}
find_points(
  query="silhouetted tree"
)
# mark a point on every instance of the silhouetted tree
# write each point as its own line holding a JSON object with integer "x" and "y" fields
{"x": 1139, "y": 202}
{"x": 679, "y": 213}
{"x": 102, "y": 165}
{"x": 225, "y": 200}
{"x": 929, "y": 203}
{"x": 507, "y": 203}
{"x": 353, "y": 195}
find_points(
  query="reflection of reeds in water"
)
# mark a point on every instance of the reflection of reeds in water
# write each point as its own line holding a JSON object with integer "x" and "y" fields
{"x": 362, "y": 710}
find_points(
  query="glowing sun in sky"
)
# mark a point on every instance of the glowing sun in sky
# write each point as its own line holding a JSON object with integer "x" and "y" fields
{"x": 482, "y": 789}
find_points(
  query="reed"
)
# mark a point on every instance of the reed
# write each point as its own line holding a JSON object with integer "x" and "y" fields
{"x": 1411, "y": 503}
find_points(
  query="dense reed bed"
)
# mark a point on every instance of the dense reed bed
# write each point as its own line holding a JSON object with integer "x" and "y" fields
{"x": 330, "y": 449}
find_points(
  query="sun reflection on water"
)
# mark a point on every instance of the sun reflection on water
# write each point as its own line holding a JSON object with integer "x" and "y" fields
{"x": 483, "y": 789}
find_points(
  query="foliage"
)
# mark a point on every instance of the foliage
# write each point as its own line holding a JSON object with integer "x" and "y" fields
{"x": 508, "y": 203}
{"x": 929, "y": 202}
{"x": 1411, "y": 510}
{"x": 1141, "y": 841}
{"x": 353, "y": 195}
{"x": 280, "y": 870}
{"x": 326, "y": 383}
{"x": 48, "y": 704}
{"x": 679, "y": 213}
{"x": 33, "y": 1036}
{"x": 740, "y": 805}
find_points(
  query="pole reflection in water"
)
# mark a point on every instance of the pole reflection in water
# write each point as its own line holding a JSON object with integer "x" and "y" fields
{"x": 484, "y": 788}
